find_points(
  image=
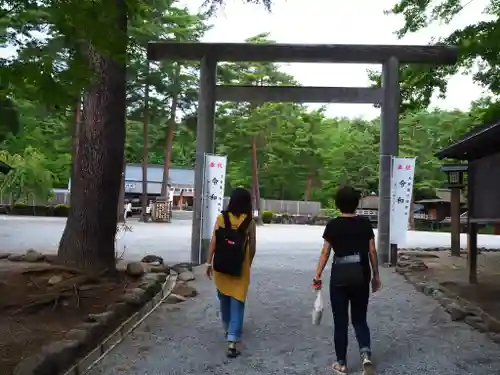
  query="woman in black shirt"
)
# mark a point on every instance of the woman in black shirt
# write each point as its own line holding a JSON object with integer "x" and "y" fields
{"x": 353, "y": 242}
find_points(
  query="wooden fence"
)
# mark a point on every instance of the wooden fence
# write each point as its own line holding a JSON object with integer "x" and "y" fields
{"x": 287, "y": 207}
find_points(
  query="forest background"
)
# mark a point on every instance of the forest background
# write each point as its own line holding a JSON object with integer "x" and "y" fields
{"x": 300, "y": 153}
{"x": 80, "y": 85}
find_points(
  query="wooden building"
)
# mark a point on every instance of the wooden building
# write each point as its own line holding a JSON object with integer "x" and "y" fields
{"x": 481, "y": 149}
{"x": 439, "y": 207}
{"x": 181, "y": 180}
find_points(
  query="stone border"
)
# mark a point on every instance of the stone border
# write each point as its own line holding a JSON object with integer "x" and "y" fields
{"x": 458, "y": 308}
{"x": 58, "y": 356}
{"x": 108, "y": 344}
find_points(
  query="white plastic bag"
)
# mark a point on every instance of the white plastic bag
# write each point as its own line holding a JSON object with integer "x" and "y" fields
{"x": 317, "y": 312}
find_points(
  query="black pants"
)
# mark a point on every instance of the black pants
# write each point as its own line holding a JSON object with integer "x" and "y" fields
{"x": 357, "y": 297}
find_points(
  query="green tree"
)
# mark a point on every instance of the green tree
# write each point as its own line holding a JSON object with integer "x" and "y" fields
{"x": 29, "y": 179}
{"x": 479, "y": 51}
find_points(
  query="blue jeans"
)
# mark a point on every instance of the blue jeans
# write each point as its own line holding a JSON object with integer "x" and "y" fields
{"x": 232, "y": 312}
{"x": 341, "y": 298}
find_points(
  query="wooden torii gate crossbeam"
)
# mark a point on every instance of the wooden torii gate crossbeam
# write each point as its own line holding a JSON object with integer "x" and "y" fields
{"x": 390, "y": 56}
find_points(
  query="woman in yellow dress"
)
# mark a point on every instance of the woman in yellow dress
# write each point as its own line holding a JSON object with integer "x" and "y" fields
{"x": 232, "y": 290}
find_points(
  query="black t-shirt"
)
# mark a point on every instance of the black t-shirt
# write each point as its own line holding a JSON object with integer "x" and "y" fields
{"x": 351, "y": 235}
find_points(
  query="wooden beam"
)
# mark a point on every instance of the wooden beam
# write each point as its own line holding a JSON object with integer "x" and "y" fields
{"x": 472, "y": 227}
{"x": 303, "y": 53}
{"x": 297, "y": 94}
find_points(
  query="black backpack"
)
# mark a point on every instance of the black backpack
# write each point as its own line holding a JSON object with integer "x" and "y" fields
{"x": 230, "y": 246}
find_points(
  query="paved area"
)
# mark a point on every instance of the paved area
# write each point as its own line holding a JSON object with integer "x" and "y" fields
{"x": 411, "y": 333}
{"x": 171, "y": 241}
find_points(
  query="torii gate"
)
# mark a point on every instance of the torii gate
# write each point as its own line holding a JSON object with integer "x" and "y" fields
{"x": 388, "y": 97}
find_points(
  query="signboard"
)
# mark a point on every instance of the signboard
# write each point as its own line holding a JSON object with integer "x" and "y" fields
{"x": 213, "y": 192}
{"x": 403, "y": 172}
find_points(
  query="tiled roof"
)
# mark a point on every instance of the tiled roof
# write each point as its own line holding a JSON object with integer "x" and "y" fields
{"x": 177, "y": 176}
{"x": 481, "y": 141}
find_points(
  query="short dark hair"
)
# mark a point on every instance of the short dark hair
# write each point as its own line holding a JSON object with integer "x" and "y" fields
{"x": 347, "y": 199}
{"x": 240, "y": 202}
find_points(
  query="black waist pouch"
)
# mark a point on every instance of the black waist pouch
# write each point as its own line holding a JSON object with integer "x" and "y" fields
{"x": 347, "y": 271}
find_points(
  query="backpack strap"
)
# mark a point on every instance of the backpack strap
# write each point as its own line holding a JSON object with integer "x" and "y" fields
{"x": 227, "y": 221}
{"x": 245, "y": 224}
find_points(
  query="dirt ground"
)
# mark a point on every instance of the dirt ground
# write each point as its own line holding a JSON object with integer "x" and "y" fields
{"x": 451, "y": 273}
{"x": 34, "y": 313}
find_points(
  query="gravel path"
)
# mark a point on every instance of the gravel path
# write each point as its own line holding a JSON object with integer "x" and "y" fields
{"x": 411, "y": 333}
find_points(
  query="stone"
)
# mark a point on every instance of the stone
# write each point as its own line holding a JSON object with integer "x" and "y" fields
{"x": 4, "y": 255}
{"x": 120, "y": 309}
{"x": 492, "y": 324}
{"x": 92, "y": 329}
{"x": 101, "y": 318}
{"x": 445, "y": 301}
{"x": 182, "y": 267}
{"x": 428, "y": 290}
{"x": 56, "y": 279}
{"x": 420, "y": 286}
{"x": 473, "y": 310}
{"x": 135, "y": 269}
{"x": 152, "y": 259}
{"x": 404, "y": 257}
{"x": 174, "y": 298}
{"x": 61, "y": 353}
{"x": 33, "y": 256}
{"x": 186, "y": 276}
{"x": 495, "y": 337}
{"x": 16, "y": 257}
{"x": 477, "y": 323}
{"x": 184, "y": 290}
{"x": 38, "y": 364}
{"x": 163, "y": 268}
{"x": 456, "y": 312}
{"x": 80, "y": 335}
{"x": 156, "y": 277}
{"x": 135, "y": 297}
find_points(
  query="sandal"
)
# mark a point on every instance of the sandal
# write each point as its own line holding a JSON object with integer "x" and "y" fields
{"x": 339, "y": 369}
{"x": 232, "y": 352}
{"x": 367, "y": 364}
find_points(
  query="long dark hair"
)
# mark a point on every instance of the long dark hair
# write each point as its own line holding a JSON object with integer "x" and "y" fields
{"x": 240, "y": 202}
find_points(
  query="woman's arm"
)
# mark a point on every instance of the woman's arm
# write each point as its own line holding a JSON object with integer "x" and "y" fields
{"x": 211, "y": 247}
{"x": 252, "y": 234}
{"x": 325, "y": 254}
{"x": 373, "y": 258}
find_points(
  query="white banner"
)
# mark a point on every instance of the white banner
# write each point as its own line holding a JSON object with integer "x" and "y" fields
{"x": 403, "y": 172}
{"x": 213, "y": 192}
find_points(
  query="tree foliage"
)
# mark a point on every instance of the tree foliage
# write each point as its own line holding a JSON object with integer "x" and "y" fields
{"x": 478, "y": 46}
{"x": 301, "y": 153}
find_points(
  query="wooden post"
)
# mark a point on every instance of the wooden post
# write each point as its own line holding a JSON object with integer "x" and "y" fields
{"x": 471, "y": 227}
{"x": 455, "y": 221}
{"x": 205, "y": 133}
{"x": 389, "y": 140}
{"x": 472, "y": 252}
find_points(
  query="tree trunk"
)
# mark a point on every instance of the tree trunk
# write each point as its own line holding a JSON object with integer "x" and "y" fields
{"x": 145, "y": 150}
{"x": 255, "y": 180}
{"x": 88, "y": 240}
{"x": 170, "y": 133}
{"x": 308, "y": 188}
{"x": 74, "y": 143}
{"x": 120, "y": 211}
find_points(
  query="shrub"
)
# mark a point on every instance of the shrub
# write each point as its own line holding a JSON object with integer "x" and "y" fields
{"x": 20, "y": 205}
{"x": 267, "y": 217}
{"x": 329, "y": 212}
{"x": 61, "y": 210}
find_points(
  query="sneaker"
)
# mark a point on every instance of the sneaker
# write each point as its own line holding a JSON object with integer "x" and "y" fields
{"x": 367, "y": 364}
